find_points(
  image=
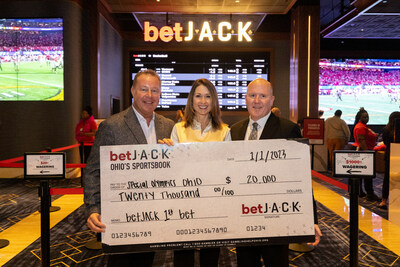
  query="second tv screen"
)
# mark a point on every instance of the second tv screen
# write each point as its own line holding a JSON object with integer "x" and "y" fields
{"x": 230, "y": 72}
{"x": 31, "y": 59}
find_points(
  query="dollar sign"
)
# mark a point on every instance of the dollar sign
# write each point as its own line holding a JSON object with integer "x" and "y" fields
{"x": 228, "y": 180}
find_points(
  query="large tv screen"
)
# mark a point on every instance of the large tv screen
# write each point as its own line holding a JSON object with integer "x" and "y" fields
{"x": 230, "y": 72}
{"x": 31, "y": 59}
{"x": 348, "y": 84}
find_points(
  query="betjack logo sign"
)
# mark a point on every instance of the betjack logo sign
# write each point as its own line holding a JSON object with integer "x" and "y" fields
{"x": 224, "y": 32}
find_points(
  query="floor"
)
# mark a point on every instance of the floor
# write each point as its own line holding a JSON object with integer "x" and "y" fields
{"x": 379, "y": 244}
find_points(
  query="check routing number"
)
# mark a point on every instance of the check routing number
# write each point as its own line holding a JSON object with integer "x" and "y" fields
{"x": 206, "y": 194}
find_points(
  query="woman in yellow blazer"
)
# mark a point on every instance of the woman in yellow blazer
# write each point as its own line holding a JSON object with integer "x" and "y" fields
{"x": 201, "y": 123}
{"x": 202, "y": 118}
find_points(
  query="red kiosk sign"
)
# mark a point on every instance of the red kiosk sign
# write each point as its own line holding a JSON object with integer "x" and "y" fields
{"x": 314, "y": 131}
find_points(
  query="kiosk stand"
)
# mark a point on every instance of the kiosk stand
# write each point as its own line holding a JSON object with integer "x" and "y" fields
{"x": 51, "y": 208}
{"x": 314, "y": 131}
{"x": 44, "y": 167}
{"x": 354, "y": 165}
{"x": 94, "y": 244}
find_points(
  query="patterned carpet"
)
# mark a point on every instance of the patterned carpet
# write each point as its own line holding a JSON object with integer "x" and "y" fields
{"x": 370, "y": 205}
{"x": 68, "y": 238}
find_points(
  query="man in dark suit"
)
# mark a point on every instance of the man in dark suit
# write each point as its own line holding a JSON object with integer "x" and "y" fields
{"x": 136, "y": 125}
{"x": 263, "y": 124}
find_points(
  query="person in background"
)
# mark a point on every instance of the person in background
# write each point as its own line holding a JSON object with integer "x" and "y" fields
{"x": 201, "y": 123}
{"x": 263, "y": 124}
{"x": 179, "y": 115}
{"x": 300, "y": 123}
{"x": 365, "y": 139}
{"x": 320, "y": 113}
{"x": 388, "y": 138}
{"x": 276, "y": 111}
{"x": 136, "y": 125}
{"x": 85, "y": 131}
{"x": 337, "y": 135}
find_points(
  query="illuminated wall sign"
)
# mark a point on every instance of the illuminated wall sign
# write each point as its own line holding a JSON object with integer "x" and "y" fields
{"x": 224, "y": 32}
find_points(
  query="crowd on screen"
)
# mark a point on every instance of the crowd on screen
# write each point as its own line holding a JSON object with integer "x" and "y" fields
{"x": 19, "y": 45}
{"x": 14, "y": 40}
{"x": 352, "y": 78}
{"x": 370, "y": 62}
{"x": 25, "y": 46}
{"x": 355, "y": 77}
{"x": 39, "y": 23}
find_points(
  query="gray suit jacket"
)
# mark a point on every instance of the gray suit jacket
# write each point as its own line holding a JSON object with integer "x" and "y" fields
{"x": 120, "y": 129}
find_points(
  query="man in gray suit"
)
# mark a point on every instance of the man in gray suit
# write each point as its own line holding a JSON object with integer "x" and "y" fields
{"x": 263, "y": 124}
{"x": 136, "y": 125}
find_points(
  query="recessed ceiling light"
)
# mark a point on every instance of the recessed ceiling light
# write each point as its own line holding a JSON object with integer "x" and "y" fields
{"x": 237, "y": 1}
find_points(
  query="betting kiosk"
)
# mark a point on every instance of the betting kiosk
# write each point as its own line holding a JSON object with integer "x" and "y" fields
{"x": 44, "y": 167}
{"x": 314, "y": 131}
{"x": 354, "y": 165}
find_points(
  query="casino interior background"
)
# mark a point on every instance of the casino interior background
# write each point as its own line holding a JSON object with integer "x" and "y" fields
{"x": 98, "y": 36}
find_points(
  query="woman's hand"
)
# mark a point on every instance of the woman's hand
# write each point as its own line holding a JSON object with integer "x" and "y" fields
{"x": 166, "y": 141}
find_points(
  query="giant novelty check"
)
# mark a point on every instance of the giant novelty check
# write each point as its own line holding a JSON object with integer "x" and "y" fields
{"x": 205, "y": 195}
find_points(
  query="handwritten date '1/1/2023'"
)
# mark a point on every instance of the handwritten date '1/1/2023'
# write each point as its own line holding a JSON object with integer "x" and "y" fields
{"x": 268, "y": 155}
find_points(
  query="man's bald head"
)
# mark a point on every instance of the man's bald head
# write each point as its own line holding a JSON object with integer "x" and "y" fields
{"x": 259, "y": 98}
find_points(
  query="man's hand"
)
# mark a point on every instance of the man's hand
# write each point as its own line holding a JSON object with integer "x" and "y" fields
{"x": 318, "y": 235}
{"x": 166, "y": 141}
{"x": 94, "y": 223}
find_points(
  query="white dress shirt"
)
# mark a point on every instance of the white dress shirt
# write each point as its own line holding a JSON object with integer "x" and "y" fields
{"x": 261, "y": 123}
{"x": 148, "y": 130}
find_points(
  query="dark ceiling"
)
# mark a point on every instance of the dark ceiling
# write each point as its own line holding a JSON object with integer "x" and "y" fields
{"x": 200, "y": 6}
{"x": 264, "y": 14}
{"x": 374, "y": 19}
{"x": 340, "y": 19}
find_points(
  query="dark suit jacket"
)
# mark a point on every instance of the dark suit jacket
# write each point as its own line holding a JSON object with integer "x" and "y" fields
{"x": 120, "y": 129}
{"x": 275, "y": 128}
